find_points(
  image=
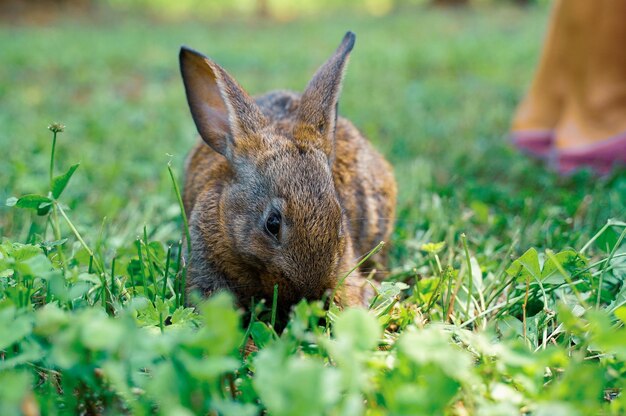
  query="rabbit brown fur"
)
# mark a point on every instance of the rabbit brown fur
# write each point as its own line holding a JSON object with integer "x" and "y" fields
{"x": 285, "y": 192}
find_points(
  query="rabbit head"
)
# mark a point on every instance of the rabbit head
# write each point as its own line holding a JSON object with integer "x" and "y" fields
{"x": 279, "y": 217}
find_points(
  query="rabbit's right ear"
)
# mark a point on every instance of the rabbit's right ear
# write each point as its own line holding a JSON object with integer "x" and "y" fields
{"x": 225, "y": 115}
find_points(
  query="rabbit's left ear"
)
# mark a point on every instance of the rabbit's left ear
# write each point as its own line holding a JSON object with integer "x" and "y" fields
{"x": 227, "y": 118}
{"x": 318, "y": 106}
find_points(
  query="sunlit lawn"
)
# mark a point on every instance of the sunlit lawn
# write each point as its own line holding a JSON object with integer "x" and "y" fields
{"x": 434, "y": 90}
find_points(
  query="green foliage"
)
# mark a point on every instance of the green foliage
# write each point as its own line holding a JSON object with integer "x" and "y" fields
{"x": 289, "y": 10}
{"x": 506, "y": 291}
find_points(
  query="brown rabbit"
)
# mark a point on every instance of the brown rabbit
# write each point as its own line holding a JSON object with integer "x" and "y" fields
{"x": 285, "y": 192}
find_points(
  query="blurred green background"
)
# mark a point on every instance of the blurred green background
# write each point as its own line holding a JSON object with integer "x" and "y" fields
{"x": 281, "y": 10}
{"x": 432, "y": 86}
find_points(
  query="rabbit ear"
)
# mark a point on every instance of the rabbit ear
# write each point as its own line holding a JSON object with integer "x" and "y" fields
{"x": 318, "y": 105}
{"x": 225, "y": 115}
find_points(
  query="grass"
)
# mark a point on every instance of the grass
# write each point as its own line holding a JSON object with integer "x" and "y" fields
{"x": 507, "y": 293}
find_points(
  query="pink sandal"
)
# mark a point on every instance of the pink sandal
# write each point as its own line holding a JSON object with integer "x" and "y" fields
{"x": 536, "y": 143}
{"x": 601, "y": 156}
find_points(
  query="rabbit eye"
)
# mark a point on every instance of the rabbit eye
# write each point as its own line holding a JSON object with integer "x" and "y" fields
{"x": 272, "y": 224}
